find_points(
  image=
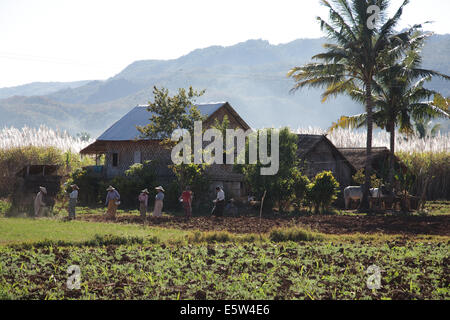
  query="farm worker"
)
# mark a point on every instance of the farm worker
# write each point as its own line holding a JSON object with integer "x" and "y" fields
{"x": 38, "y": 203}
{"x": 112, "y": 201}
{"x": 73, "y": 197}
{"x": 219, "y": 202}
{"x": 157, "y": 212}
{"x": 143, "y": 202}
{"x": 186, "y": 198}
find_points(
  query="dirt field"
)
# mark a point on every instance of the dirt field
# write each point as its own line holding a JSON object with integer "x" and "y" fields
{"x": 408, "y": 225}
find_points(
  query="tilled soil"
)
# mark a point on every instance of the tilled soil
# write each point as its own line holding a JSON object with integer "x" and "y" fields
{"x": 407, "y": 225}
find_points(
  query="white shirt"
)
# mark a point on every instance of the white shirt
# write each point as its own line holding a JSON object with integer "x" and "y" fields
{"x": 74, "y": 194}
{"x": 220, "y": 195}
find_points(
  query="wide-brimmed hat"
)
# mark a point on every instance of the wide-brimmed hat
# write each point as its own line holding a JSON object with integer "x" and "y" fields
{"x": 145, "y": 191}
{"x": 110, "y": 188}
{"x": 74, "y": 186}
{"x": 43, "y": 189}
{"x": 160, "y": 188}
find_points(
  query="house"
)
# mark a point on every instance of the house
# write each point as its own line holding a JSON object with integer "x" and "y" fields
{"x": 380, "y": 160}
{"x": 317, "y": 154}
{"x": 123, "y": 146}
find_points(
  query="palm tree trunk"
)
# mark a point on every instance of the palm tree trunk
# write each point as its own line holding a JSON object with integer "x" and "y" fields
{"x": 368, "y": 170}
{"x": 392, "y": 155}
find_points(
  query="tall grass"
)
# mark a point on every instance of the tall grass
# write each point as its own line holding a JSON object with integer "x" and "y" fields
{"x": 431, "y": 171}
{"x": 348, "y": 138}
{"x": 41, "y": 137}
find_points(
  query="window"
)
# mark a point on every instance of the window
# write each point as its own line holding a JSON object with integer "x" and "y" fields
{"x": 115, "y": 159}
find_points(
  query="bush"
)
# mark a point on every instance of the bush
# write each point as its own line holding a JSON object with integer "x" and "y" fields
{"x": 322, "y": 191}
{"x": 137, "y": 177}
{"x": 4, "y": 207}
{"x": 88, "y": 183}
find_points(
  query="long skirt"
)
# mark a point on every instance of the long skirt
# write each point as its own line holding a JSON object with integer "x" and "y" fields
{"x": 112, "y": 208}
{"x": 157, "y": 212}
{"x": 187, "y": 209}
{"x": 218, "y": 208}
{"x": 143, "y": 209}
{"x": 38, "y": 210}
{"x": 72, "y": 205}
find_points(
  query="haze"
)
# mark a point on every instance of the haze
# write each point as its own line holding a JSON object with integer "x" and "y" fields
{"x": 68, "y": 40}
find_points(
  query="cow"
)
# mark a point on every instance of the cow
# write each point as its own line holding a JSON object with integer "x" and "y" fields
{"x": 356, "y": 193}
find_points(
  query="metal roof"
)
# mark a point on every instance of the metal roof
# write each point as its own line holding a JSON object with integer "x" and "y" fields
{"x": 125, "y": 128}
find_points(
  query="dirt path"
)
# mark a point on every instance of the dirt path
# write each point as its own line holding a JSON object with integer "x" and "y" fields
{"x": 434, "y": 225}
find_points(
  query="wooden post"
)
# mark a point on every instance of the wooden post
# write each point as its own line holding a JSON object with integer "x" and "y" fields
{"x": 262, "y": 203}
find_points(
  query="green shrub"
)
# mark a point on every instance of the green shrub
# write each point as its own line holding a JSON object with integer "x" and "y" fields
{"x": 4, "y": 207}
{"x": 323, "y": 191}
{"x": 88, "y": 182}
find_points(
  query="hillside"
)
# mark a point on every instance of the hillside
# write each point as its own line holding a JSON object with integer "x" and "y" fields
{"x": 250, "y": 75}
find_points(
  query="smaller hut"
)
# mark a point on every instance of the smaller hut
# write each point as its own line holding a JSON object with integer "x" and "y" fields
{"x": 318, "y": 154}
{"x": 28, "y": 181}
{"x": 380, "y": 160}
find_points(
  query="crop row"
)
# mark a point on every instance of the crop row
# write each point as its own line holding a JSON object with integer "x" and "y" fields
{"x": 312, "y": 270}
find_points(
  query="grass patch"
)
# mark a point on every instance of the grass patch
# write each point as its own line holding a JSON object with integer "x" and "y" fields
{"x": 23, "y": 230}
{"x": 223, "y": 237}
{"x": 98, "y": 241}
{"x": 294, "y": 234}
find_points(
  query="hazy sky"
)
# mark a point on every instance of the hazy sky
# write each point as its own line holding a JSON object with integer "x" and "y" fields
{"x": 67, "y": 40}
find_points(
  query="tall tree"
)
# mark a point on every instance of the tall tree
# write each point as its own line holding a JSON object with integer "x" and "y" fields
{"x": 355, "y": 56}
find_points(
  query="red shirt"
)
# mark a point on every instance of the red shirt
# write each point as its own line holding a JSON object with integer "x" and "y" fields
{"x": 186, "y": 196}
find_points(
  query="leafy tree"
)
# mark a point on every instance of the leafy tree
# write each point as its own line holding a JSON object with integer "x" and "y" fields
{"x": 359, "y": 177}
{"x": 323, "y": 191}
{"x": 194, "y": 176}
{"x": 283, "y": 187}
{"x": 354, "y": 57}
{"x": 171, "y": 113}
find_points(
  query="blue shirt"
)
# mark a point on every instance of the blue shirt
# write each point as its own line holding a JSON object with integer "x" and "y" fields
{"x": 159, "y": 196}
{"x": 112, "y": 195}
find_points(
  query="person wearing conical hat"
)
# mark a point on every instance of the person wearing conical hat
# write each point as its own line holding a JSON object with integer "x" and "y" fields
{"x": 38, "y": 202}
{"x": 73, "y": 198}
{"x": 143, "y": 203}
{"x": 112, "y": 201}
{"x": 157, "y": 212}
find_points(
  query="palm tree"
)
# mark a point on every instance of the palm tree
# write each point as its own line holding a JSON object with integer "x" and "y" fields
{"x": 399, "y": 96}
{"x": 355, "y": 56}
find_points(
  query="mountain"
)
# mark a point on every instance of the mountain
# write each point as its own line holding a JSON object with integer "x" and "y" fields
{"x": 38, "y": 88}
{"x": 250, "y": 75}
